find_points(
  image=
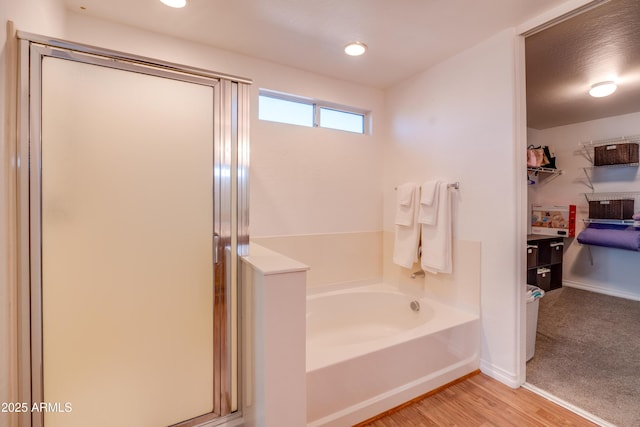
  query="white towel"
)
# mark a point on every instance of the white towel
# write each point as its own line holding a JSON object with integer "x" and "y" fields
{"x": 407, "y": 229}
{"x": 405, "y": 196}
{"x": 436, "y": 239}
{"x": 428, "y": 211}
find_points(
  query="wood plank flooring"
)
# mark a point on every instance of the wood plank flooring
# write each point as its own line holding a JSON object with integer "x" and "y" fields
{"x": 480, "y": 401}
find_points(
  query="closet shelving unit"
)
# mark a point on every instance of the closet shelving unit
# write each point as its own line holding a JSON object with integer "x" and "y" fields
{"x": 588, "y": 149}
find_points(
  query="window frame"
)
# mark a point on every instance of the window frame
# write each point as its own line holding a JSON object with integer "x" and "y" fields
{"x": 317, "y": 106}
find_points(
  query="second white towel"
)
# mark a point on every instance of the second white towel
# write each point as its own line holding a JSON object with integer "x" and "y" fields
{"x": 436, "y": 238}
{"x": 428, "y": 213}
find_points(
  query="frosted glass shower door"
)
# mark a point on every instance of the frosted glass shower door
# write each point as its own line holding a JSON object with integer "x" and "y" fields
{"x": 127, "y": 224}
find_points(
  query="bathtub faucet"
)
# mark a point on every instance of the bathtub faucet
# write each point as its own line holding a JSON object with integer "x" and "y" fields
{"x": 419, "y": 273}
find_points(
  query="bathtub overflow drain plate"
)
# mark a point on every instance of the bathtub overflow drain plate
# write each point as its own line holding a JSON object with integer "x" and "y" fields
{"x": 415, "y": 306}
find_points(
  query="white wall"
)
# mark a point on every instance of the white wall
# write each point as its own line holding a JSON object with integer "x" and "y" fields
{"x": 455, "y": 121}
{"x": 333, "y": 257}
{"x": 32, "y": 16}
{"x": 303, "y": 180}
{"x": 614, "y": 271}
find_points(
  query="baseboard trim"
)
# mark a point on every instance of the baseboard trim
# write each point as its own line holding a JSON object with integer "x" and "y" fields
{"x": 500, "y": 374}
{"x": 600, "y": 290}
{"x": 584, "y": 414}
{"x": 417, "y": 399}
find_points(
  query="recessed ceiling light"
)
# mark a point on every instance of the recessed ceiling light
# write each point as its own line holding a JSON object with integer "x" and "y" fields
{"x": 355, "y": 48}
{"x": 601, "y": 89}
{"x": 175, "y": 3}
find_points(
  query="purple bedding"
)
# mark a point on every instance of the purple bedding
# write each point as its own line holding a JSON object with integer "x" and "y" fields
{"x": 611, "y": 236}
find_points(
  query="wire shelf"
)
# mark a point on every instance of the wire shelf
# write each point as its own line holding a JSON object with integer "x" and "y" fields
{"x": 599, "y": 197}
{"x": 618, "y": 140}
{"x": 546, "y": 170}
{"x": 619, "y": 165}
{"x": 610, "y": 221}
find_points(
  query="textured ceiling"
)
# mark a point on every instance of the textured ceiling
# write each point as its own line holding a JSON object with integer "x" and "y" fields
{"x": 563, "y": 62}
{"x": 404, "y": 37}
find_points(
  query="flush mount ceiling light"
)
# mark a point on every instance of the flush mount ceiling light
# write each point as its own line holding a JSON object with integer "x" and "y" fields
{"x": 355, "y": 48}
{"x": 175, "y": 3}
{"x": 601, "y": 89}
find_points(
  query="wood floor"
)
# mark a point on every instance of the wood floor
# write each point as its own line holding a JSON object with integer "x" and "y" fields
{"x": 480, "y": 401}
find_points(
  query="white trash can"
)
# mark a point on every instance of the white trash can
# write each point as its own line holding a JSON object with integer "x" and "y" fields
{"x": 534, "y": 293}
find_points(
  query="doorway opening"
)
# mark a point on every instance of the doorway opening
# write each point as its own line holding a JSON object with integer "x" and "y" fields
{"x": 573, "y": 364}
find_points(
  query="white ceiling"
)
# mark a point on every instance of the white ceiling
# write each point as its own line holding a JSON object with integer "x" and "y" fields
{"x": 404, "y": 36}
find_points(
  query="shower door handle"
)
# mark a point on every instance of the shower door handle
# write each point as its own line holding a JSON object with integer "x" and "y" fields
{"x": 216, "y": 248}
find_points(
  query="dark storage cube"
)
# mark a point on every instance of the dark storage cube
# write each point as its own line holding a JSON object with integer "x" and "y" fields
{"x": 544, "y": 253}
{"x": 544, "y": 261}
{"x": 555, "y": 282}
{"x": 615, "y": 154}
{"x": 532, "y": 256}
{"x": 611, "y": 209}
{"x": 557, "y": 249}
{"x": 544, "y": 279}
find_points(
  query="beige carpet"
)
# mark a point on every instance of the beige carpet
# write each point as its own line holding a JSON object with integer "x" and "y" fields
{"x": 588, "y": 353}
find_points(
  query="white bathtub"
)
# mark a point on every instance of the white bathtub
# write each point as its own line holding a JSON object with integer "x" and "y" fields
{"x": 368, "y": 351}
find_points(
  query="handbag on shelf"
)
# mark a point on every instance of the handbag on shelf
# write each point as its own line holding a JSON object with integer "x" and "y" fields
{"x": 540, "y": 157}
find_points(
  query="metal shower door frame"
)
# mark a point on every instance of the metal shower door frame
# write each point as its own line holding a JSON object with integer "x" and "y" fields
{"x": 230, "y": 204}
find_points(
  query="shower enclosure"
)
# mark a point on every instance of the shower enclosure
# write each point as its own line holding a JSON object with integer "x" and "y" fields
{"x": 133, "y": 213}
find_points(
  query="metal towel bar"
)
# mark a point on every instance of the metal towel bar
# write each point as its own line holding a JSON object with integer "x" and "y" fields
{"x": 454, "y": 185}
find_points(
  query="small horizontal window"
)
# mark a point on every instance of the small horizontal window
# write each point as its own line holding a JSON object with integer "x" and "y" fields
{"x": 341, "y": 120}
{"x": 285, "y": 111}
{"x": 300, "y": 111}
